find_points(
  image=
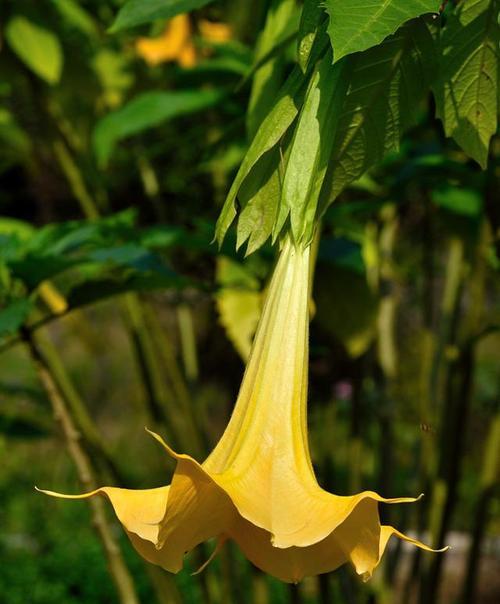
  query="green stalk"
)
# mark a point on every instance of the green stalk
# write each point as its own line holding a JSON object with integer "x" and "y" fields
{"x": 140, "y": 342}
{"x": 150, "y": 373}
{"x": 151, "y": 185}
{"x": 434, "y": 374}
{"x": 187, "y": 424}
{"x": 446, "y": 485}
{"x": 488, "y": 487}
{"x": 459, "y": 393}
{"x": 188, "y": 342}
{"x": 387, "y": 361}
{"x": 75, "y": 180}
{"x": 325, "y": 589}
{"x": 147, "y": 361}
{"x": 77, "y": 407}
{"x": 294, "y": 594}
{"x": 119, "y": 573}
{"x": 260, "y": 590}
{"x": 164, "y": 585}
{"x": 440, "y": 397}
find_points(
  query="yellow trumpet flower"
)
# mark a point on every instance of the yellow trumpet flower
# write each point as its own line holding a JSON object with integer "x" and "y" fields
{"x": 174, "y": 44}
{"x": 258, "y": 486}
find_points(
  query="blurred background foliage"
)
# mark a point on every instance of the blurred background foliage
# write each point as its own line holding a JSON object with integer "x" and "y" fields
{"x": 116, "y": 154}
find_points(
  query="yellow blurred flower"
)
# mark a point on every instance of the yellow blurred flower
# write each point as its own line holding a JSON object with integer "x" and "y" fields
{"x": 176, "y": 41}
{"x": 258, "y": 486}
{"x": 214, "y": 32}
{"x": 174, "y": 44}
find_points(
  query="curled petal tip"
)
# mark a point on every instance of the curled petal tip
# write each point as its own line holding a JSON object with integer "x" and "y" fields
{"x": 220, "y": 544}
{"x": 158, "y": 438}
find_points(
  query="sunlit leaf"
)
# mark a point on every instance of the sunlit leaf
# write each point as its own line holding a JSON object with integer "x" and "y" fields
{"x": 386, "y": 84}
{"x": 356, "y": 26}
{"x": 312, "y": 14}
{"x": 259, "y": 198}
{"x": 467, "y": 87}
{"x": 76, "y": 16}
{"x": 281, "y": 21}
{"x": 466, "y": 202}
{"x": 239, "y": 303}
{"x": 146, "y": 111}
{"x": 113, "y": 71}
{"x": 273, "y": 128}
{"x": 311, "y": 149}
{"x": 137, "y": 12}
{"x": 37, "y": 47}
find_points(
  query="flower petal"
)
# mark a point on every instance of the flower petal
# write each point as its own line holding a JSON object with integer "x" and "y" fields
{"x": 316, "y": 514}
{"x": 290, "y": 564}
{"x": 140, "y": 511}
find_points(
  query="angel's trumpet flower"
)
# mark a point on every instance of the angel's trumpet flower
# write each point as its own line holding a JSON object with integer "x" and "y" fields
{"x": 258, "y": 486}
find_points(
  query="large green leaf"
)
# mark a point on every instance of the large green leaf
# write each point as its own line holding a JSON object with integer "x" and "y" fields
{"x": 356, "y": 26}
{"x": 312, "y": 15}
{"x": 311, "y": 149}
{"x": 137, "y": 12}
{"x": 273, "y": 128}
{"x": 146, "y": 111}
{"x": 466, "y": 90}
{"x": 281, "y": 21}
{"x": 37, "y": 47}
{"x": 386, "y": 85}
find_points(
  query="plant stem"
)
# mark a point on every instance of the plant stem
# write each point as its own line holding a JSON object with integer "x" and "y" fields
{"x": 147, "y": 360}
{"x": 188, "y": 342}
{"x": 75, "y": 180}
{"x": 488, "y": 487}
{"x": 76, "y": 405}
{"x": 189, "y": 429}
{"x": 387, "y": 361}
{"x": 117, "y": 568}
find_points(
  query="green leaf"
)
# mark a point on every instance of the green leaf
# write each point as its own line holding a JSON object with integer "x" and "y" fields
{"x": 281, "y": 21}
{"x": 95, "y": 290}
{"x": 311, "y": 150}
{"x": 467, "y": 87}
{"x": 137, "y": 12}
{"x": 146, "y": 111}
{"x": 33, "y": 269}
{"x": 37, "y": 47}
{"x": 465, "y": 202}
{"x": 14, "y": 315}
{"x": 356, "y": 26}
{"x": 25, "y": 426}
{"x": 113, "y": 72}
{"x": 273, "y": 128}
{"x": 76, "y": 16}
{"x": 19, "y": 228}
{"x": 347, "y": 311}
{"x": 259, "y": 197}
{"x": 386, "y": 85}
{"x": 312, "y": 15}
{"x": 239, "y": 303}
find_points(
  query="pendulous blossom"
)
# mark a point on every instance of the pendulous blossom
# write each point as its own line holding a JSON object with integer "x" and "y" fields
{"x": 258, "y": 487}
